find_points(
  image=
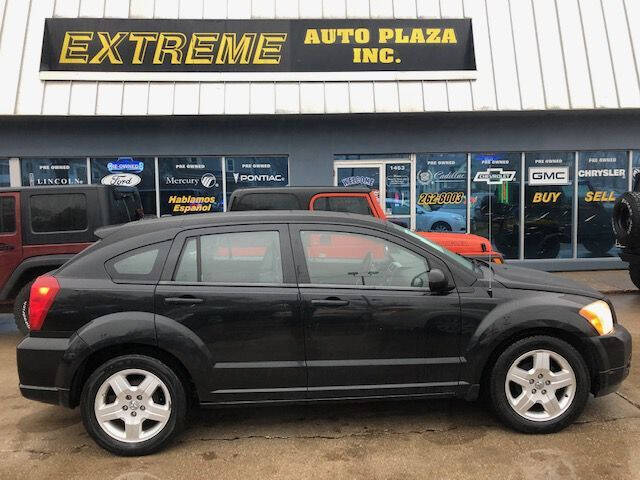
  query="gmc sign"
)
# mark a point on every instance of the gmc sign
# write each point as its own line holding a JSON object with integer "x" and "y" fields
{"x": 548, "y": 175}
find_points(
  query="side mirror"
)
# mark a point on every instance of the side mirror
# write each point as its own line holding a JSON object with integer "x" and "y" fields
{"x": 437, "y": 280}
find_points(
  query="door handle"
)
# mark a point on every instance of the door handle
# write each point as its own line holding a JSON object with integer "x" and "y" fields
{"x": 4, "y": 247}
{"x": 330, "y": 302}
{"x": 185, "y": 299}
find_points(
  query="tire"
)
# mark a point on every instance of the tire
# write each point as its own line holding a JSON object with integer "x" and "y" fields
{"x": 634, "y": 273}
{"x": 570, "y": 400}
{"x": 167, "y": 401}
{"x": 599, "y": 246}
{"x": 441, "y": 227}
{"x": 21, "y": 309}
{"x": 548, "y": 247}
{"x": 626, "y": 218}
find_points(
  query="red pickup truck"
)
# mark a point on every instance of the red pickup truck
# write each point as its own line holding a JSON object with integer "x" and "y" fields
{"x": 351, "y": 200}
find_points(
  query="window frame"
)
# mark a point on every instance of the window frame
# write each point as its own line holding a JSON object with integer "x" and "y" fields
{"x": 432, "y": 261}
{"x": 286, "y": 255}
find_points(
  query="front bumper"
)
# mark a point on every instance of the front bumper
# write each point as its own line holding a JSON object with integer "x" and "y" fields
{"x": 46, "y": 367}
{"x": 612, "y": 356}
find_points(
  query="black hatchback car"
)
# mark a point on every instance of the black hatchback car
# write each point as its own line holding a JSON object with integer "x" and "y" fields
{"x": 257, "y": 307}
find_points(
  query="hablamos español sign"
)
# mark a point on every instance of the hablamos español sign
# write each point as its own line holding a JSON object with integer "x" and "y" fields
{"x": 257, "y": 50}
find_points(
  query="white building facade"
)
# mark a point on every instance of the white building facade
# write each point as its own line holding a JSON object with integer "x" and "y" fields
{"x": 544, "y": 130}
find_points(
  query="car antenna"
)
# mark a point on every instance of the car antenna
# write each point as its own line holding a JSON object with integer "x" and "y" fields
{"x": 490, "y": 291}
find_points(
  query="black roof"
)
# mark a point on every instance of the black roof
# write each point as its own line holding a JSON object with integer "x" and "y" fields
{"x": 171, "y": 225}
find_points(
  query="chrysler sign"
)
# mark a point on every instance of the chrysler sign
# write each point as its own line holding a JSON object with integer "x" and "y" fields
{"x": 112, "y": 49}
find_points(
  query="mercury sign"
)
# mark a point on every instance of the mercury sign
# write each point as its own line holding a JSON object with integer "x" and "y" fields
{"x": 121, "y": 180}
{"x": 548, "y": 176}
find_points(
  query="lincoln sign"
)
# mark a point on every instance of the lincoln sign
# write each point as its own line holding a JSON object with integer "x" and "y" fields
{"x": 257, "y": 50}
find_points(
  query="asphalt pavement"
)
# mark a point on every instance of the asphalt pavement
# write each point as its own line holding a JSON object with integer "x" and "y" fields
{"x": 384, "y": 440}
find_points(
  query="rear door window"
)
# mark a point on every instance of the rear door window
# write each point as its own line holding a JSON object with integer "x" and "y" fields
{"x": 58, "y": 212}
{"x": 237, "y": 258}
{"x": 345, "y": 204}
{"x": 7, "y": 214}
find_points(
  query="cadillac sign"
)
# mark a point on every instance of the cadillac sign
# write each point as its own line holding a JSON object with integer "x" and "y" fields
{"x": 257, "y": 50}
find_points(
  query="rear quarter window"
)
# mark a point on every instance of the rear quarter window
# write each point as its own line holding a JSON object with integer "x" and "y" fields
{"x": 267, "y": 201}
{"x": 344, "y": 204}
{"x": 58, "y": 212}
{"x": 142, "y": 265}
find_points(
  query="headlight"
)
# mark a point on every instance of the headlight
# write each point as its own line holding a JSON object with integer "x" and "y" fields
{"x": 599, "y": 315}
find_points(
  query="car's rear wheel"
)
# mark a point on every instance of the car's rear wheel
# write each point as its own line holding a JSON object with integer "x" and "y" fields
{"x": 441, "y": 227}
{"x": 21, "y": 309}
{"x": 133, "y": 405}
{"x": 539, "y": 385}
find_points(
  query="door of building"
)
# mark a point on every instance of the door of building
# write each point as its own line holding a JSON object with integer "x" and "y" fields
{"x": 390, "y": 179}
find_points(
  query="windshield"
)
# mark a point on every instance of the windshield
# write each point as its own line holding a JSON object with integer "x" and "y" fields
{"x": 454, "y": 257}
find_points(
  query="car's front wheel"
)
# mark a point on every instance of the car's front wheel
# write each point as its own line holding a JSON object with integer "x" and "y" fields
{"x": 539, "y": 385}
{"x": 133, "y": 405}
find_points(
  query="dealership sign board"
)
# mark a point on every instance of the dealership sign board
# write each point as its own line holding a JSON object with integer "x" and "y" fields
{"x": 257, "y": 50}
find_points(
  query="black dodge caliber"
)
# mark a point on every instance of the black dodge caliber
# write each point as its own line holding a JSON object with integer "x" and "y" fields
{"x": 252, "y": 307}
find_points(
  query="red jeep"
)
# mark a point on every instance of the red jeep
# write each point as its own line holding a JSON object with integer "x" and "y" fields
{"x": 351, "y": 200}
{"x": 43, "y": 227}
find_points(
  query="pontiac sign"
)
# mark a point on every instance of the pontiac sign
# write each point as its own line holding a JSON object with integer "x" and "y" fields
{"x": 257, "y": 50}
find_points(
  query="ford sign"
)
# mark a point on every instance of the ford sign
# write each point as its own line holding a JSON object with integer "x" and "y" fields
{"x": 121, "y": 180}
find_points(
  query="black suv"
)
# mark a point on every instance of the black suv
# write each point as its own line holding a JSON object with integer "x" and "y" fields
{"x": 269, "y": 306}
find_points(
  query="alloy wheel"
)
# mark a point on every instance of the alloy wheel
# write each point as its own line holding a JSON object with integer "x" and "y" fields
{"x": 132, "y": 405}
{"x": 540, "y": 385}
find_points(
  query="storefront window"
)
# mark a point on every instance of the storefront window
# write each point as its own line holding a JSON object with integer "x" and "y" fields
{"x": 441, "y": 192}
{"x": 4, "y": 172}
{"x": 256, "y": 172}
{"x": 136, "y": 172}
{"x": 602, "y": 177}
{"x": 548, "y": 180}
{"x": 359, "y": 177}
{"x": 397, "y": 197}
{"x": 635, "y": 166}
{"x": 495, "y": 199}
{"x": 190, "y": 185}
{"x": 53, "y": 171}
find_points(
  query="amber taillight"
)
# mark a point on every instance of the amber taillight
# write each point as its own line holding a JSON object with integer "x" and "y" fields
{"x": 43, "y": 293}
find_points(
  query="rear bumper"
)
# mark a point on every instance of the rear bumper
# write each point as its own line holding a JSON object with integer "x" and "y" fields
{"x": 51, "y": 395}
{"x": 46, "y": 367}
{"x": 613, "y": 356}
